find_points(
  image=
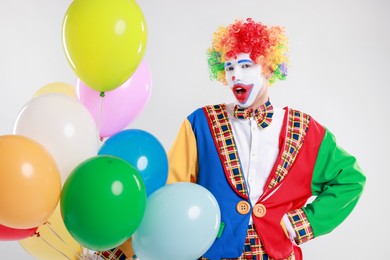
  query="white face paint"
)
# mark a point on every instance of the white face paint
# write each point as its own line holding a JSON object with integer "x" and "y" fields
{"x": 245, "y": 78}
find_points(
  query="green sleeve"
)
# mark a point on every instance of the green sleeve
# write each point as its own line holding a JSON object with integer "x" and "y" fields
{"x": 337, "y": 182}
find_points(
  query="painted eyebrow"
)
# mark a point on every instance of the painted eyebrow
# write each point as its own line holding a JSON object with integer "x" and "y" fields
{"x": 228, "y": 64}
{"x": 246, "y": 60}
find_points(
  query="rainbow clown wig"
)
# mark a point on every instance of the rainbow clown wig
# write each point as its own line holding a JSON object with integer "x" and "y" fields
{"x": 267, "y": 46}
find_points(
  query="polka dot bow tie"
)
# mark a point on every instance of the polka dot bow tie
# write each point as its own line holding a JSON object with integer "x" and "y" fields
{"x": 262, "y": 115}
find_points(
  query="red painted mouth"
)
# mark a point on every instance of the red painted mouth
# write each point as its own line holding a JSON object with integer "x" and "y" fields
{"x": 242, "y": 92}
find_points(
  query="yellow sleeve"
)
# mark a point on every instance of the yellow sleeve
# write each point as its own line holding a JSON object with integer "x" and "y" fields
{"x": 183, "y": 156}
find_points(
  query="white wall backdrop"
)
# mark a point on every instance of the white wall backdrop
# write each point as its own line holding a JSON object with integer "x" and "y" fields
{"x": 339, "y": 74}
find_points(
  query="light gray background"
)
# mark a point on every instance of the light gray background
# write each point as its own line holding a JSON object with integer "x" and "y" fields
{"x": 338, "y": 74}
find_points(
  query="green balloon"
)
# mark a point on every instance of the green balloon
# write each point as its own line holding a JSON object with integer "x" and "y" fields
{"x": 103, "y": 202}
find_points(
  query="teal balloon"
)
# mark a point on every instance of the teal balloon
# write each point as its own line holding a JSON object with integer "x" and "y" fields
{"x": 142, "y": 150}
{"x": 181, "y": 221}
{"x": 103, "y": 202}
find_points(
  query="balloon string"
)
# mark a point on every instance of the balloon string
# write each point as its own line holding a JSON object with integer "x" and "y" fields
{"x": 44, "y": 240}
{"x": 63, "y": 241}
{"x": 100, "y": 115}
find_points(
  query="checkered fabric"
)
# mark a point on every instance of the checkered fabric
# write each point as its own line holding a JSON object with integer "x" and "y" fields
{"x": 253, "y": 248}
{"x": 262, "y": 115}
{"x": 301, "y": 226}
{"x": 112, "y": 254}
{"x": 298, "y": 124}
{"x": 223, "y": 136}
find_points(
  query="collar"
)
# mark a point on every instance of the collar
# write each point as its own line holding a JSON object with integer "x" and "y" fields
{"x": 263, "y": 114}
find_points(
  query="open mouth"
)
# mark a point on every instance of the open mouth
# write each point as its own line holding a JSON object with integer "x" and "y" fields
{"x": 242, "y": 92}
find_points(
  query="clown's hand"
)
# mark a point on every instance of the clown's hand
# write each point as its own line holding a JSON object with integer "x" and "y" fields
{"x": 288, "y": 228}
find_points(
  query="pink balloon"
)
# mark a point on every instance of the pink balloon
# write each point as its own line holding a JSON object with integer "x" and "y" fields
{"x": 120, "y": 106}
{"x": 10, "y": 234}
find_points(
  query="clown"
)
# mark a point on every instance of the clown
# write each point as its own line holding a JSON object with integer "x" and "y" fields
{"x": 262, "y": 163}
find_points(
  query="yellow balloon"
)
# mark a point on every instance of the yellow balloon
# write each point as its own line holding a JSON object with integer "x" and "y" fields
{"x": 104, "y": 41}
{"x": 57, "y": 87}
{"x": 40, "y": 249}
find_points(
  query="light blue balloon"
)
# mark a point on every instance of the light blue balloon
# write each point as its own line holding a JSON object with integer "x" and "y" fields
{"x": 181, "y": 221}
{"x": 144, "y": 152}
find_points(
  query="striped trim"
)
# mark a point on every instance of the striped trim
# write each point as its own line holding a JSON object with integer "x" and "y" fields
{"x": 223, "y": 137}
{"x": 301, "y": 226}
{"x": 253, "y": 248}
{"x": 298, "y": 124}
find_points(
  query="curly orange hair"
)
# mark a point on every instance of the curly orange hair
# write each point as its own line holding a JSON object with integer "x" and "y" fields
{"x": 267, "y": 46}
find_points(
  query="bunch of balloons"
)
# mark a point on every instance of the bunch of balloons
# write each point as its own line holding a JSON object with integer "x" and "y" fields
{"x": 52, "y": 154}
{"x": 106, "y": 190}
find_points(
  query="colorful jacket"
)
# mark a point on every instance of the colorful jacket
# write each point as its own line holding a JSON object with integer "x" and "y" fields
{"x": 309, "y": 164}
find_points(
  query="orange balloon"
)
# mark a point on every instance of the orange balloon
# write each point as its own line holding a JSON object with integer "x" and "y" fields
{"x": 30, "y": 182}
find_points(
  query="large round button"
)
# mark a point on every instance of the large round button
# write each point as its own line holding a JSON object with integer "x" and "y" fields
{"x": 259, "y": 210}
{"x": 243, "y": 207}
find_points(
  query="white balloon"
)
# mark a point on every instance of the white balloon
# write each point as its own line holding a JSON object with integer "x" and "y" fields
{"x": 63, "y": 125}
